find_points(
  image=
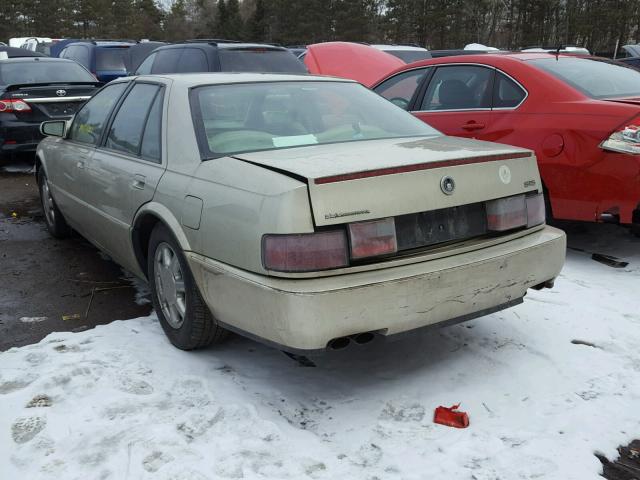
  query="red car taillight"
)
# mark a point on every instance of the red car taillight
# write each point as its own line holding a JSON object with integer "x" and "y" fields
{"x": 305, "y": 252}
{"x": 514, "y": 212}
{"x": 11, "y": 106}
{"x": 373, "y": 238}
{"x": 624, "y": 140}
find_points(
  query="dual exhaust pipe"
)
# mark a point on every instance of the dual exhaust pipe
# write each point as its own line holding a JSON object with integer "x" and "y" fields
{"x": 341, "y": 343}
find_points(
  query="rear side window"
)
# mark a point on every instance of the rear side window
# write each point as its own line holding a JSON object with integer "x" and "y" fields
{"x": 506, "y": 92}
{"x": 166, "y": 60}
{"x": 151, "y": 140}
{"x": 145, "y": 67}
{"x": 459, "y": 87}
{"x": 112, "y": 59}
{"x": 595, "y": 78}
{"x": 79, "y": 53}
{"x": 89, "y": 122}
{"x": 259, "y": 60}
{"x": 125, "y": 134}
{"x": 193, "y": 60}
{"x": 400, "y": 88}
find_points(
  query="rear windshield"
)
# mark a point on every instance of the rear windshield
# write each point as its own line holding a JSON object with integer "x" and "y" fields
{"x": 267, "y": 116}
{"x": 409, "y": 56}
{"x": 259, "y": 60}
{"x": 594, "y": 77}
{"x": 43, "y": 72}
{"x": 115, "y": 58}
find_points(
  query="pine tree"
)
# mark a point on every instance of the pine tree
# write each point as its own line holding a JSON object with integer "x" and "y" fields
{"x": 234, "y": 26}
{"x": 257, "y": 27}
{"x": 221, "y": 19}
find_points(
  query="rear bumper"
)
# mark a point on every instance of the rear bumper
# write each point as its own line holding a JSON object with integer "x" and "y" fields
{"x": 19, "y": 137}
{"x": 303, "y": 315}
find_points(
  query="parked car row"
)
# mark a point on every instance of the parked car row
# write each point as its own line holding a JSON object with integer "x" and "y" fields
{"x": 569, "y": 109}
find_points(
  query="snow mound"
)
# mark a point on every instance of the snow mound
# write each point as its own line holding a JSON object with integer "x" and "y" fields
{"x": 546, "y": 384}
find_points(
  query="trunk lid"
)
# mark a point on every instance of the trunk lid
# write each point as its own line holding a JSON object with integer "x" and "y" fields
{"x": 354, "y": 61}
{"x": 373, "y": 179}
{"x": 51, "y": 100}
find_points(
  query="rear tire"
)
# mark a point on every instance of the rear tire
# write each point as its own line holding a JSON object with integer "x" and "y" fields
{"x": 185, "y": 318}
{"x": 56, "y": 224}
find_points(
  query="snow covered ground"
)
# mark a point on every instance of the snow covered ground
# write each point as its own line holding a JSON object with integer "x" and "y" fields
{"x": 118, "y": 402}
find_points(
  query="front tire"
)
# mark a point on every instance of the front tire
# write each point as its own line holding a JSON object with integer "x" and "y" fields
{"x": 185, "y": 318}
{"x": 56, "y": 224}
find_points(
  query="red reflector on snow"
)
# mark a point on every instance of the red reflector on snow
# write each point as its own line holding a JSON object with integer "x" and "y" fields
{"x": 419, "y": 166}
{"x": 373, "y": 238}
{"x": 451, "y": 417}
{"x": 305, "y": 252}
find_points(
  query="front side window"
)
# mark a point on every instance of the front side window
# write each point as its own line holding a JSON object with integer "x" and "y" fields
{"x": 459, "y": 87}
{"x": 271, "y": 115}
{"x": 400, "y": 88}
{"x": 89, "y": 122}
{"x": 506, "y": 92}
{"x": 595, "y": 78}
{"x": 125, "y": 134}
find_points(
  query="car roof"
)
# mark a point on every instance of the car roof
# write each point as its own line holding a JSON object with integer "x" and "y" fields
{"x": 14, "y": 52}
{"x": 207, "y": 78}
{"x": 389, "y": 47}
{"x": 220, "y": 44}
{"x": 488, "y": 57}
{"x": 35, "y": 59}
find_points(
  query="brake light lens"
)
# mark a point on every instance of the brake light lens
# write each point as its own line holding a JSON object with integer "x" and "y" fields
{"x": 624, "y": 140}
{"x": 373, "y": 238}
{"x": 9, "y": 106}
{"x": 305, "y": 252}
{"x": 514, "y": 212}
{"x": 536, "y": 211}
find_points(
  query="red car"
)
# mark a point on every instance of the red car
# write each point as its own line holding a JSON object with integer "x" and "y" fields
{"x": 581, "y": 115}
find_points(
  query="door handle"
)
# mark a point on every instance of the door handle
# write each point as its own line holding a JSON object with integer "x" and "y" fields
{"x": 138, "y": 182}
{"x": 80, "y": 164}
{"x": 471, "y": 126}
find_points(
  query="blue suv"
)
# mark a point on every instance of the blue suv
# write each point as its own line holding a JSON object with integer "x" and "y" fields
{"x": 105, "y": 59}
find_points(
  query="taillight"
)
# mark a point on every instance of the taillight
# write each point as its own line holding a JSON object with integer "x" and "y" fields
{"x": 373, "y": 238}
{"x": 514, "y": 212}
{"x": 14, "y": 106}
{"x": 625, "y": 140}
{"x": 305, "y": 252}
{"x": 536, "y": 211}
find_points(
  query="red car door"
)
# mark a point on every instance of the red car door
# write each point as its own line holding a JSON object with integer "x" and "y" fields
{"x": 457, "y": 100}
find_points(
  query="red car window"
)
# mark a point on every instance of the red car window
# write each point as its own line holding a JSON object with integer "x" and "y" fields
{"x": 458, "y": 87}
{"x": 400, "y": 88}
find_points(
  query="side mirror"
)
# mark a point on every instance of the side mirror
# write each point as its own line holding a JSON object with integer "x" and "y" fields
{"x": 53, "y": 128}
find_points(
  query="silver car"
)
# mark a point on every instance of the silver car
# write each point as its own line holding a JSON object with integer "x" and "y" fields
{"x": 307, "y": 212}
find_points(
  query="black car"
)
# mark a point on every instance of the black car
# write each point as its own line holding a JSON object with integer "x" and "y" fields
{"x": 220, "y": 56}
{"x": 35, "y": 89}
{"x": 13, "y": 52}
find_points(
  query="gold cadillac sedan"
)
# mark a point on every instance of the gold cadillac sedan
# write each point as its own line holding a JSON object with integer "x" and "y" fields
{"x": 306, "y": 212}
